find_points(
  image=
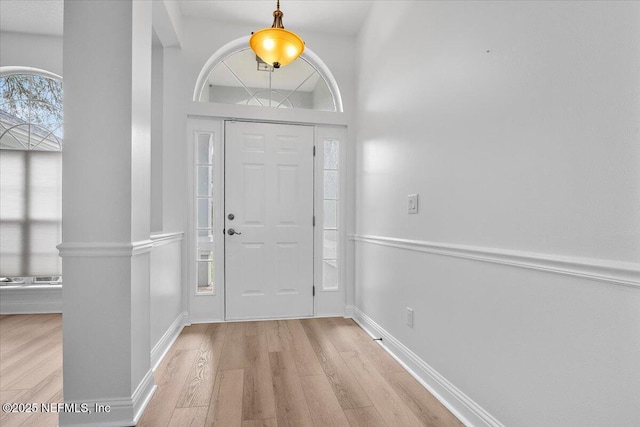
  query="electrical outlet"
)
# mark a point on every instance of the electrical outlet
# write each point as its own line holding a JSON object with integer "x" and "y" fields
{"x": 413, "y": 203}
{"x": 410, "y": 316}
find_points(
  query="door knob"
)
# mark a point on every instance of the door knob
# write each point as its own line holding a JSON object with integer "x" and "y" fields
{"x": 231, "y": 216}
{"x": 231, "y": 232}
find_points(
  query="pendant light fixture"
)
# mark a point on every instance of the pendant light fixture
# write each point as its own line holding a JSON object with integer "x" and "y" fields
{"x": 276, "y": 46}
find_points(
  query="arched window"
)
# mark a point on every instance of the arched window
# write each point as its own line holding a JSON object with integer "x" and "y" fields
{"x": 30, "y": 110}
{"x": 235, "y": 75}
{"x": 30, "y": 175}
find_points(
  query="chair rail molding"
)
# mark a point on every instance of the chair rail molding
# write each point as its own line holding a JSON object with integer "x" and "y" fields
{"x": 104, "y": 249}
{"x": 159, "y": 239}
{"x": 612, "y": 272}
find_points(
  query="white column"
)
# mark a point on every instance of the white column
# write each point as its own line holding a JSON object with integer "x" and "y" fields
{"x": 106, "y": 198}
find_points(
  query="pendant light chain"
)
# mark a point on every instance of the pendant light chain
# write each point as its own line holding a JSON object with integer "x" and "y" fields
{"x": 276, "y": 46}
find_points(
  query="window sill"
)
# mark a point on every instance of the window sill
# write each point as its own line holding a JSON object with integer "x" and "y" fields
{"x": 24, "y": 286}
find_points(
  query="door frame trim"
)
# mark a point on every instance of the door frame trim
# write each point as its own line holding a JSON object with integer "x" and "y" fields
{"x": 205, "y": 308}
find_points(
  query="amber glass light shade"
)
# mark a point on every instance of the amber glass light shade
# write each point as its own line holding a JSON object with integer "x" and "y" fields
{"x": 276, "y": 46}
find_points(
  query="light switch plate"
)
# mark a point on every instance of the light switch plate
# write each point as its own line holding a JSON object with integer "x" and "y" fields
{"x": 413, "y": 203}
{"x": 409, "y": 316}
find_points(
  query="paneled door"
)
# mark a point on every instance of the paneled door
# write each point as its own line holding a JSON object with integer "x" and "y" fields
{"x": 268, "y": 220}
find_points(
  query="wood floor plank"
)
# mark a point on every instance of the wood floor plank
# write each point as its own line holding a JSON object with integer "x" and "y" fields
{"x": 32, "y": 324}
{"x": 338, "y": 334}
{"x": 189, "y": 417}
{"x": 390, "y": 406}
{"x": 278, "y": 335}
{"x": 225, "y": 409}
{"x": 46, "y": 388}
{"x": 366, "y": 345}
{"x": 14, "y": 339}
{"x": 291, "y": 406}
{"x": 44, "y": 419}
{"x": 21, "y": 322}
{"x": 170, "y": 383}
{"x": 270, "y": 422}
{"x": 32, "y": 342}
{"x": 198, "y": 388}
{"x": 9, "y": 396}
{"x": 323, "y": 405}
{"x": 23, "y": 356}
{"x": 11, "y": 321}
{"x": 215, "y": 331}
{"x": 31, "y": 366}
{"x": 30, "y": 375}
{"x": 364, "y": 417}
{"x": 191, "y": 337}
{"x": 303, "y": 355}
{"x": 345, "y": 386}
{"x": 423, "y": 404}
{"x": 258, "y": 400}
{"x": 234, "y": 351}
{"x": 255, "y": 328}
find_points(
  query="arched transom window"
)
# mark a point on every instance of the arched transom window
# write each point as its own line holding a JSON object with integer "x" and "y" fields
{"x": 235, "y": 75}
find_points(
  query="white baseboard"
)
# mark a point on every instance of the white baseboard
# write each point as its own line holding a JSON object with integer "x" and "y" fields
{"x": 122, "y": 412}
{"x": 164, "y": 344}
{"x": 320, "y": 316}
{"x": 467, "y": 411}
{"x": 142, "y": 395}
{"x": 33, "y": 299}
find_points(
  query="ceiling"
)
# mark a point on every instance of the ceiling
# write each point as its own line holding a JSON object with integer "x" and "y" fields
{"x": 340, "y": 17}
{"x": 35, "y": 17}
{"x": 330, "y": 17}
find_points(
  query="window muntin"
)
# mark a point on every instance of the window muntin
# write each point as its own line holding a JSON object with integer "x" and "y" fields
{"x": 241, "y": 78}
{"x": 30, "y": 112}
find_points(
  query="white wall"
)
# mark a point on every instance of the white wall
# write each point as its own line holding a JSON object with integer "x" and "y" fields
{"x": 157, "y": 101}
{"x": 165, "y": 292}
{"x": 517, "y": 123}
{"x": 30, "y": 50}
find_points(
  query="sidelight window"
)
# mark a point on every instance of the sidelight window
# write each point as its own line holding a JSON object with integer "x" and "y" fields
{"x": 205, "y": 164}
{"x": 331, "y": 199}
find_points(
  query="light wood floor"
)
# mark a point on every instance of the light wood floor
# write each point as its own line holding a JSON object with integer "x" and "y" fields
{"x": 30, "y": 366}
{"x": 311, "y": 372}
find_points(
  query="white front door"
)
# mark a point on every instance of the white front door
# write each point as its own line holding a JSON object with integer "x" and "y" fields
{"x": 268, "y": 220}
